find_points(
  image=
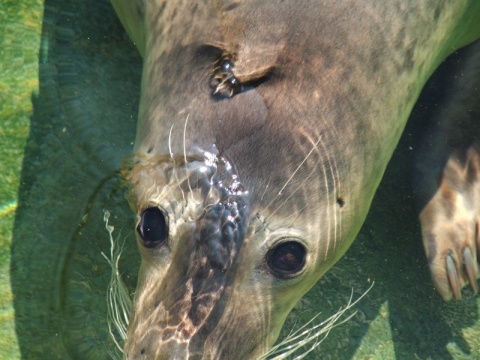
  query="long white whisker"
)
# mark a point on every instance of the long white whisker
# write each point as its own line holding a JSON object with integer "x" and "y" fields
{"x": 185, "y": 139}
{"x": 185, "y": 153}
{"x": 335, "y": 192}
{"x": 339, "y": 193}
{"x": 299, "y": 166}
{"x": 294, "y": 192}
{"x": 119, "y": 303}
{"x": 294, "y": 173}
{"x": 265, "y": 191}
{"x": 170, "y": 144}
{"x": 307, "y": 334}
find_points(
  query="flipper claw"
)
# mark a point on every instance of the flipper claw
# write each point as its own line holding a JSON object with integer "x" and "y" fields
{"x": 470, "y": 267}
{"x": 453, "y": 277}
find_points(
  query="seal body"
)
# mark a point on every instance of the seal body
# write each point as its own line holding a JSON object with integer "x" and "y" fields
{"x": 264, "y": 130}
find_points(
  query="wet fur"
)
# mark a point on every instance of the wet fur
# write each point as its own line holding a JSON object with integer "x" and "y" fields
{"x": 309, "y": 139}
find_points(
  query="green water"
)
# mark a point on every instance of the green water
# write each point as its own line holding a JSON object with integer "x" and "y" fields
{"x": 69, "y": 90}
{"x": 18, "y": 81}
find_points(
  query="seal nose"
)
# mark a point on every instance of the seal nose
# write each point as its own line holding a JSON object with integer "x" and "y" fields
{"x": 182, "y": 305}
{"x": 187, "y": 306}
{"x": 218, "y": 238}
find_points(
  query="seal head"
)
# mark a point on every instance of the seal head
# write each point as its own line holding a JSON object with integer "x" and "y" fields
{"x": 216, "y": 266}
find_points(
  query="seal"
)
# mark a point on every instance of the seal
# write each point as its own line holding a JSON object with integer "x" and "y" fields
{"x": 264, "y": 130}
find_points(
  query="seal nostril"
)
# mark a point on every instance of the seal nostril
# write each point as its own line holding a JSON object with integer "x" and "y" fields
{"x": 224, "y": 81}
{"x": 286, "y": 259}
{"x": 226, "y": 66}
{"x": 153, "y": 229}
{"x": 341, "y": 201}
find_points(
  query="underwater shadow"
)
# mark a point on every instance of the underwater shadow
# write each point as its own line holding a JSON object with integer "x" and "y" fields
{"x": 82, "y": 126}
{"x": 423, "y": 325}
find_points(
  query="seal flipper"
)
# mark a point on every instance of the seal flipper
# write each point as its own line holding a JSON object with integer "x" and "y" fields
{"x": 450, "y": 224}
{"x": 449, "y": 182}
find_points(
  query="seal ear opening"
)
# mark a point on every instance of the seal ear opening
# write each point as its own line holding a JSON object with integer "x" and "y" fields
{"x": 341, "y": 201}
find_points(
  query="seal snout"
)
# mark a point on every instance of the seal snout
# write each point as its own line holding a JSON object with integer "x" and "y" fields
{"x": 191, "y": 240}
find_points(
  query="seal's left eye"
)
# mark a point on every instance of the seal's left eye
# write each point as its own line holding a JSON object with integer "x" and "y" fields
{"x": 286, "y": 259}
{"x": 153, "y": 229}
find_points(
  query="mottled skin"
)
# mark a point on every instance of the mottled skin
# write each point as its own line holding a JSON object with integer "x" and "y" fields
{"x": 331, "y": 85}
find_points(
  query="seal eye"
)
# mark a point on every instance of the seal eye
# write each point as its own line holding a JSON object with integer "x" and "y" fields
{"x": 286, "y": 259}
{"x": 152, "y": 228}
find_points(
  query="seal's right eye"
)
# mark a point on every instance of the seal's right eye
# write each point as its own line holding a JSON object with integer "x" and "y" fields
{"x": 286, "y": 259}
{"x": 153, "y": 229}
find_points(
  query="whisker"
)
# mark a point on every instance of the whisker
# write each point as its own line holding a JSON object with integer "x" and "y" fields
{"x": 294, "y": 192}
{"x": 331, "y": 132}
{"x": 265, "y": 191}
{"x": 170, "y": 144}
{"x": 329, "y": 237}
{"x": 305, "y": 334}
{"x": 184, "y": 139}
{"x": 119, "y": 303}
{"x": 297, "y": 214}
{"x": 185, "y": 156}
{"x": 294, "y": 173}
{"x": 299, "y": 166}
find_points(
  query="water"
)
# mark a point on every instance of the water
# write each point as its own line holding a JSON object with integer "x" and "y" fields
{"x": 82, "y": 125}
